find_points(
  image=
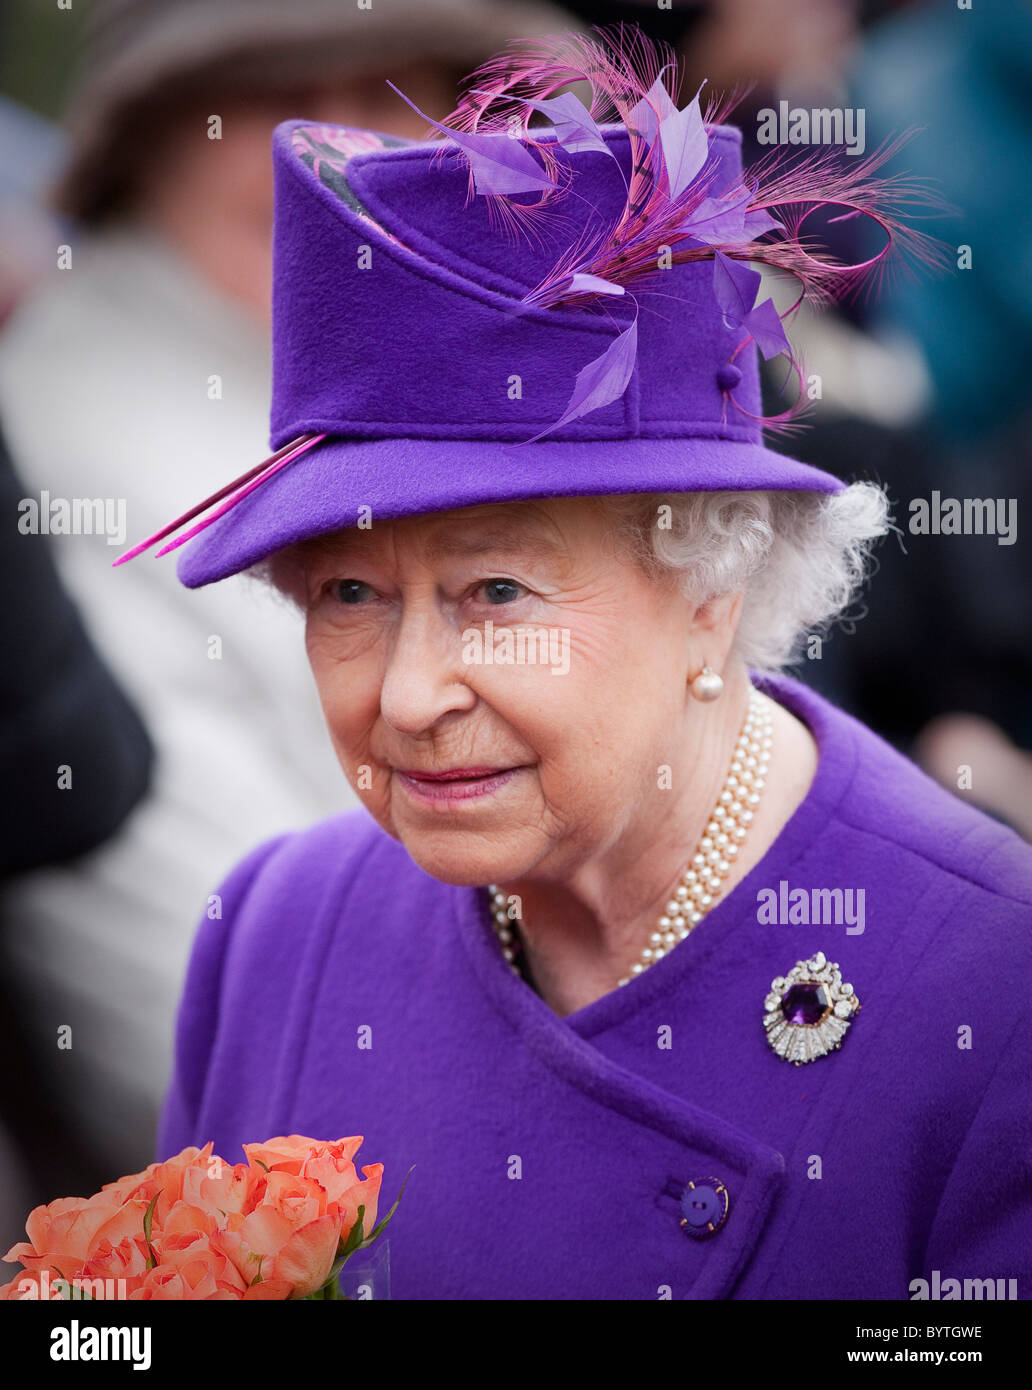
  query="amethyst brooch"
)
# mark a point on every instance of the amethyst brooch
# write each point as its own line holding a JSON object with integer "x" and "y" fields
{"x": 808, "y": 1011}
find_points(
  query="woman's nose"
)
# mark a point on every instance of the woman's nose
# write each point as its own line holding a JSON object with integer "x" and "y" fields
{"x": 425, "y": 675}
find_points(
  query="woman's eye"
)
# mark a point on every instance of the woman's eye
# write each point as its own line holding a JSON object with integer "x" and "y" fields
{"x": 349, "y": 590}
{"x": 502, "y": 590}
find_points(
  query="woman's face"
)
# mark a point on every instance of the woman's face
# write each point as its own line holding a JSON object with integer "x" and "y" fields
{"x": 502, "y": 684}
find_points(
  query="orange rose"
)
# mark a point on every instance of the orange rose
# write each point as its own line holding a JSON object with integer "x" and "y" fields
{"x": 299, "y": 1199}
{"x": 267, "y": 1244}
{"x": 186, "y": 1219}
{"x": 127, "y": 1260}
{"x": 167, "y": 1179}
{"x": 289, "y": 1153}
{"x": 346, "y": 1191}
{"x": 158, "y": 1177}
{"x": 161, "y": 1283}
{"x": 202, "y": 1272}
{"x": 267, "y": 1229}
{"x": 192, "y": 1254}
{"x": 330, "y": 1166}
{"x": 237, "y": 1189}
{"x": 65, "y": 1233}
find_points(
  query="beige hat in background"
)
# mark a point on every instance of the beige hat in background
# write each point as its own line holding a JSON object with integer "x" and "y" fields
{"x": 141, "y": 56}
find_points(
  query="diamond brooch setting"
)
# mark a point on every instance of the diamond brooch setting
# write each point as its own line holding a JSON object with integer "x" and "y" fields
{"x": 808, "y": 1011}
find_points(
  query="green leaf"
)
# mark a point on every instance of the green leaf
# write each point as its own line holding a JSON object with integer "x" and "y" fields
{"x": 148, "y": 1217}
{"x": 263, "y": 1165}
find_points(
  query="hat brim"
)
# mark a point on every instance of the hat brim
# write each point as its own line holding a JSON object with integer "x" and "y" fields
{"x": 323, "y": 490}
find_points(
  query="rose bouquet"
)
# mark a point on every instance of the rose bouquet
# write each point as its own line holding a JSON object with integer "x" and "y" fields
{"x": 279, "y": 1226}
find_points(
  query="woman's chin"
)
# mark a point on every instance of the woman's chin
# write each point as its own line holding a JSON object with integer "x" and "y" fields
{"x": 457, "y": 860}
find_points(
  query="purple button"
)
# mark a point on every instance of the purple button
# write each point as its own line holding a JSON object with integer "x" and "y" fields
{"x": 728, "y": 376}
{"x": 704, "y": 1206}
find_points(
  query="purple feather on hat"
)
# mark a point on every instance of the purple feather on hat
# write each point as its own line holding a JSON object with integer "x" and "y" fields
{"x": 676, "y": 203}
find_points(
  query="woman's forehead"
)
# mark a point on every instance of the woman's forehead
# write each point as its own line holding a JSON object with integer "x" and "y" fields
{"x": 545, "y": 526}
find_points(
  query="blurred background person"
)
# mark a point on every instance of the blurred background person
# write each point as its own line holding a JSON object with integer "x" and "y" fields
{"x": 74, "y": 761}
{"x": 923, "y": 384}
{"x": 942, "y": 662}
{"x": 31, "y": 149}
{"x": 136, "y": 374}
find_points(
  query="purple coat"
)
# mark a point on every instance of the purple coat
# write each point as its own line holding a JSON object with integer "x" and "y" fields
{"x": 551, "y": 1154}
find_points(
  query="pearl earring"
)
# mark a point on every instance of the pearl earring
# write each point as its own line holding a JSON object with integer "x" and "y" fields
{"x": 707, "y": 685}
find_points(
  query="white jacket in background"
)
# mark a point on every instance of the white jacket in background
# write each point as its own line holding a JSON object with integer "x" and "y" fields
{"x": 106, "y": 392}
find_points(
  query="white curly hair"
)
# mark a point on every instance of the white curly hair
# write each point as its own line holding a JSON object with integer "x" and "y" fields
{"x": 799, "y": 557}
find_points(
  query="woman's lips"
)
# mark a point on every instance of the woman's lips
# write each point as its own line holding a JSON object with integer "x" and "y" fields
{"x": 457, "y": 784}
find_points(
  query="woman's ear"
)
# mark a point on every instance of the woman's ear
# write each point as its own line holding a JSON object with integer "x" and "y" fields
{"x": 712, "y": 633}
{"x": 719, "y": 615}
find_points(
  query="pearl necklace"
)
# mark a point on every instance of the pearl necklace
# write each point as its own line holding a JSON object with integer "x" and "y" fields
{"x": 703, "y": 879}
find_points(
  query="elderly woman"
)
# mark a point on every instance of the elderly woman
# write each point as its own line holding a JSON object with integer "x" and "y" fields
{"x": 668, "y": 978}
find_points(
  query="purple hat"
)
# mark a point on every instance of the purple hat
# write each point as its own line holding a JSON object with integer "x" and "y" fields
{"x": 523, "y": 312}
